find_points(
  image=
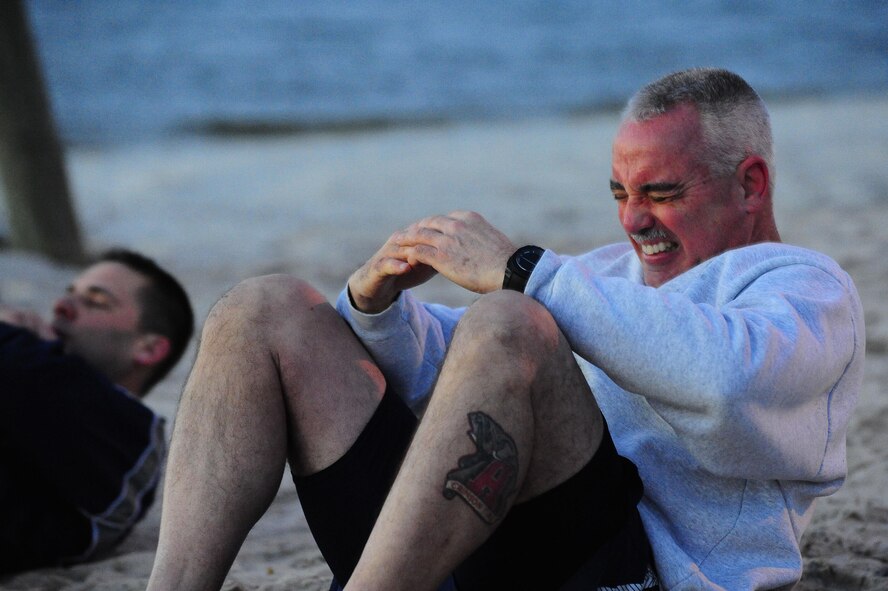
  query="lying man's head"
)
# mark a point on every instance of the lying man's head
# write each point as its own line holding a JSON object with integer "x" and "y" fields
{"x": 692, "y": 171}
{"x": 127, "y": 317}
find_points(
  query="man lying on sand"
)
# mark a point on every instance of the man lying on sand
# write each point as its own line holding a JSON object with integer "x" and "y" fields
{"x": 80, "y": 454}
{"x": 655, "y": 414}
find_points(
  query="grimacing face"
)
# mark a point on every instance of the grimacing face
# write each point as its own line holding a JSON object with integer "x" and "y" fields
{"x": 98, "y": 317}
{"x": 675, "y": 213}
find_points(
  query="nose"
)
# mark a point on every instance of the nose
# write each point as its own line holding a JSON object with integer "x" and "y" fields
{"x": 65, "y": 308}
{"x": 635, "y": 215}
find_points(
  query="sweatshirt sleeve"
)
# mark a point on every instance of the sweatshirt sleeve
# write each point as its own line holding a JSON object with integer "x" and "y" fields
{"x": 742, "y": 356}
{"x": 408, "y": 341}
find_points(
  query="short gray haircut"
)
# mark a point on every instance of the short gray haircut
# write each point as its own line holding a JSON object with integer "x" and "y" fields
{"x": 734, "y": 119}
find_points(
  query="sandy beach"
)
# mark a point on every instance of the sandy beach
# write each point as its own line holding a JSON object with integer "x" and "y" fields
{"x": 219, "y": 209}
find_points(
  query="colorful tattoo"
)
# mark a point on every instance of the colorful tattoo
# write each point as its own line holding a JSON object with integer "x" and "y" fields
{"x": 487, "y": 478}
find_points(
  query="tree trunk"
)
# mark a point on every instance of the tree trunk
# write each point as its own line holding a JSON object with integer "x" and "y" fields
{"x": 41, "y": 215}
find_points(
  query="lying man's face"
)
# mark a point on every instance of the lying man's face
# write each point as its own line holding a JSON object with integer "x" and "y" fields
{"x": 98, "y": 318}
{"x": 674, "y": 211}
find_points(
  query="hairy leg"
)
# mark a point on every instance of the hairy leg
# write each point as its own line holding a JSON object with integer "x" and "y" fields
{"x": 278, "y": 375}
{"x": 511, "y": 417}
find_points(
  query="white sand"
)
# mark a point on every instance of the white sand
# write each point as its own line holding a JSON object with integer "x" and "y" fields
{"x": 216, "y": 211}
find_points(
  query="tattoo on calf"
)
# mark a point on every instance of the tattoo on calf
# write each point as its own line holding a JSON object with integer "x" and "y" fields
{"x": 487, "y": 478}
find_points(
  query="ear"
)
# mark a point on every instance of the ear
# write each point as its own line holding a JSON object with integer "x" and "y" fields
{"x": 151, "y": 349}
{"x": 754, "y": 176}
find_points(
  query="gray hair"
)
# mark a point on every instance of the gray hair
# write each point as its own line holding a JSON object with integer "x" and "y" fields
{"x": 734, "y": 120}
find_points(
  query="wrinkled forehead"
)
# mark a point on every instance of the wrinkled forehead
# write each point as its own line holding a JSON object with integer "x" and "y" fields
{"x": 677, "y": 129}
{"x": 670, "y": 144}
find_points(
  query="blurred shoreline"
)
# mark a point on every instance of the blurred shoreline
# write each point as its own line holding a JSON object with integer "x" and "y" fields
{"x": 208, "y": 128}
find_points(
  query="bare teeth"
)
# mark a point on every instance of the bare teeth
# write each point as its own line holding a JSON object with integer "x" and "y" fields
{"x": 658, "y": 247}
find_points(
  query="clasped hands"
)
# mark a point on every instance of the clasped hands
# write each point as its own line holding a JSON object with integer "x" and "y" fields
{"x": 462, "y": 246}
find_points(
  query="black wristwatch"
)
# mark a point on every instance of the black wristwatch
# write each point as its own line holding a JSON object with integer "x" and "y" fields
{"x": 520, "y": 266}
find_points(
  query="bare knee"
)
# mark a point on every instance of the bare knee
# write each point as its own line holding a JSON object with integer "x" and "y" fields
{"x": 262, "y": 304}
{"x": 512, "y": 321}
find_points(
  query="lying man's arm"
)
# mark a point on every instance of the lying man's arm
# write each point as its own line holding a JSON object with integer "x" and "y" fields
{"x": 27, "y": 319}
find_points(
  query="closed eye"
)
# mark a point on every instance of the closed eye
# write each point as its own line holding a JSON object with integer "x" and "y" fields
{"x": 662, "y": 192}
{"x": 663, "y": 197}
{"x": 618, "y": 190}
{"x": 94, "y": 297}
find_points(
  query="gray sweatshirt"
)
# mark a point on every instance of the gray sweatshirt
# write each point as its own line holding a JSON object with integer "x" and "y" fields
{"x": 730, "y": 387}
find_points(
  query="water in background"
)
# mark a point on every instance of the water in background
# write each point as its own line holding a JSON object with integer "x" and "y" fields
{"x": 131, "y": 70}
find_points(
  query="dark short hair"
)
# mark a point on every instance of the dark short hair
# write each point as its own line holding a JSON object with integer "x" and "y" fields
{"x": 166, "y": 309}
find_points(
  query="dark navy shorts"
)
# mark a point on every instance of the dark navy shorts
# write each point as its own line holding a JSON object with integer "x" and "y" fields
{"x": 583, "y": 534}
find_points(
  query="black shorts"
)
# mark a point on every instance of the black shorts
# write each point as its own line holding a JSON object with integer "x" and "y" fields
{"x": 584, "y": 533}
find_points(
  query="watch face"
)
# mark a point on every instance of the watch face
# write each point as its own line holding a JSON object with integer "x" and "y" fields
{"x": 525, "y": 263}
{"x": 527, "y": 258}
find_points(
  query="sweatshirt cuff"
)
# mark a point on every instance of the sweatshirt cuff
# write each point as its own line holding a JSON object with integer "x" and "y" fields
{"x": 364, "y": 324}
{"x": 542, "y": 275}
